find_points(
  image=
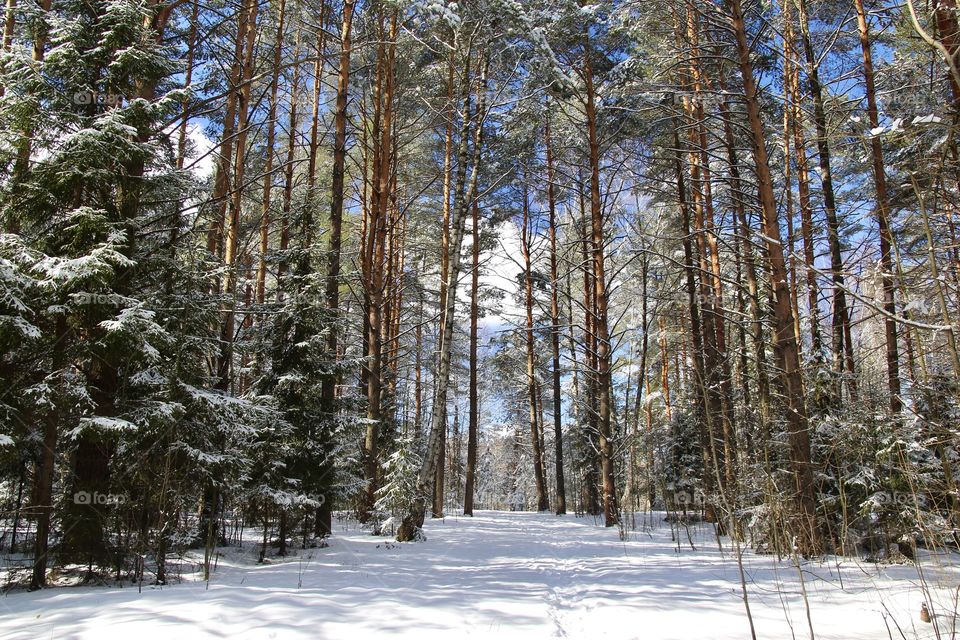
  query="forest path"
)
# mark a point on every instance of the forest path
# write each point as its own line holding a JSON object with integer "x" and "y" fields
{"x": 497, "y": 575}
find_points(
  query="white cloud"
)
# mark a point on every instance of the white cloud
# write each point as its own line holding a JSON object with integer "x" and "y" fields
{"x": 200, "y": 160}
{"x": 499, "y": 272}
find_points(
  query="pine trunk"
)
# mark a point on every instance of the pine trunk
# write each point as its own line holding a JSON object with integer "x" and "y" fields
{"x": 474, "y": 424}
{"x": 561, "y": 504}
{"x": 604, "y": 354}
{"x": 805, "y": 524}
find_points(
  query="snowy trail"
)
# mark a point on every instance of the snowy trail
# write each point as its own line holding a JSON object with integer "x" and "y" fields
{"x": 498, "y": 575}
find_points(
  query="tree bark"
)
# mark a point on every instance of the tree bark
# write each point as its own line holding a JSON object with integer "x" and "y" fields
{"x": 842, "y": 340}
{"x": 794, "y": 114}
{"x": 43, "y": 479}
{"x": 225, "y": 156}
{"x": 9, "y": 25}
{"x": 261, "y": 282}
{"x": 286, "y": 205}
{"x": 882, "y": 212}
{"x": 329, "y": 385}
{"x": 232, "y": 230}
{"x": 533, "y": 387}
{"x": 474, "y": 395}
{"x": 804, "y": 501}
{"x": 328, "y": 388}
{"x": 375, "y": 262}
{"x": 590, "y": 475}
{"x": 610, "y": 509}
{"x": 749, "y": 262}
{"x": 696, "y": 328}
{"x": 561, "y": 504}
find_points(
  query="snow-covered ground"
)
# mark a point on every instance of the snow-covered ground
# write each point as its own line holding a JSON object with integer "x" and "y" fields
{"x": 502, "y": 575}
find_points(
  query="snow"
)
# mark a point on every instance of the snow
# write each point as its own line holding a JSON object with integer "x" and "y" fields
{"x": 102, "y": 423}
{"x": 916, "y": 304}
{"x": 503, "y": 575}
{"x": 927, "y": 119}
{"x": 103, "y": 258}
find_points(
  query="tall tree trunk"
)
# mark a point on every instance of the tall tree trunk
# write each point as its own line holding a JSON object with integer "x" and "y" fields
{"x": 561, "y": 505}
{"x": 313, "y": 146}
{"x": 329, "y": 384}
{"x": 641, "y": 382}
{"x": 288, "y": 166}
{"x": 376, "y": 253}
{"x": 749, "y": 262}
{"x": 842, "y": 340}
{"x": 474, "y": 395}
{"x": 447, "y": 182}
{"x": 43, "y": 478}
{"x": 9, "y": 25}
{"x": 791, "y": 232}
{"x": 707, "y": 410}
{"x": 418, "y": 373}
{"x": 798, "y": 433}
{"x": 232, "y": 230}
{"x": 714, "y": 317}
{"x": 225, "y": 156}
{"x": 533, "y": 387}
{"x": 883, "y": 217}
{"x": 794, "y": 114}
{"x": 466, "y": 192}
{"x": 604, "y": 387}
{"x": 187, "y": 81}
{"x": 438, "y": 483}
{"x": 590, "y": 475}
{"x": 665, "y": 370}
{"x": 440, "y": 479}
{"x": 39, "y": 32}
{"x": 268, "y": 165}
{"x": 579, "y": 415}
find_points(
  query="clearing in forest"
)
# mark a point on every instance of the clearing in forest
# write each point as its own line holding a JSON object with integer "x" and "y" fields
{"x": 505, "y": 575}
